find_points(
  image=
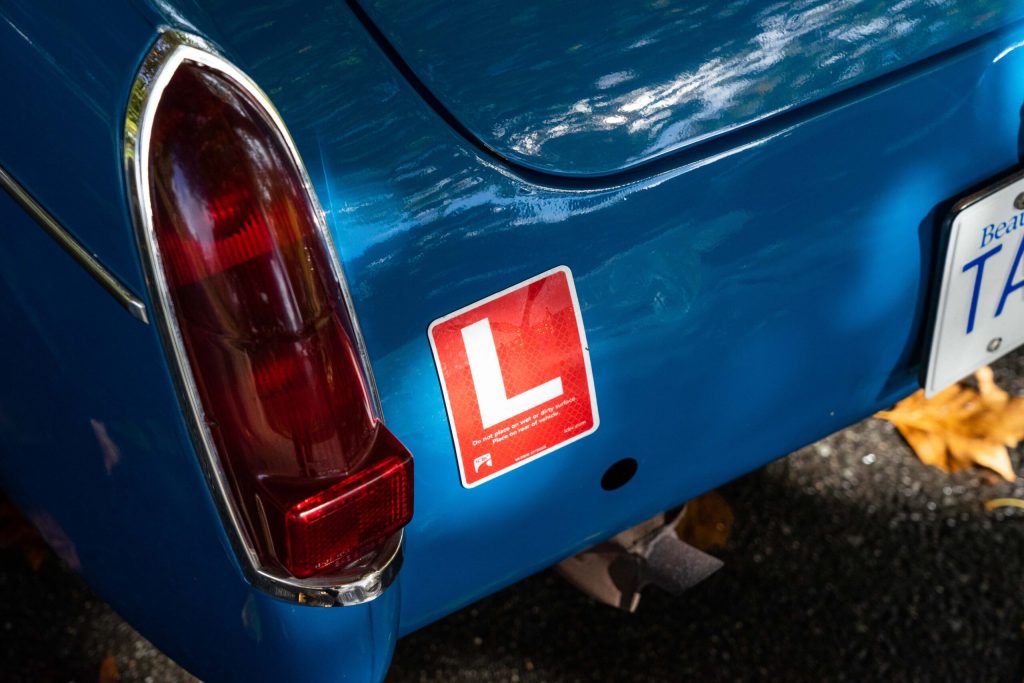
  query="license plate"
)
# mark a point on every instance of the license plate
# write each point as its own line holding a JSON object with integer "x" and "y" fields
{"x": 980, "y": 314}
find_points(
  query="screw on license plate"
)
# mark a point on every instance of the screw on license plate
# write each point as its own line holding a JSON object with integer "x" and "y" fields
{"x": 1018, "y": 203}
{"x": 994, "y": 345}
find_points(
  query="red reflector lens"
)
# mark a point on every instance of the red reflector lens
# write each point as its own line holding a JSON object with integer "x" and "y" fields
{"x": 347, "y": 520}
{"x": 317, "y": 481}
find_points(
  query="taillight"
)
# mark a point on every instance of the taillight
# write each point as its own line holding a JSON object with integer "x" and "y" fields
{"x": 259, "y": 318}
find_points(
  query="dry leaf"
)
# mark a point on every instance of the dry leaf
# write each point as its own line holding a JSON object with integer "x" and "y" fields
{"x": 707, "y": 521}
{"x": 108, "y": 670}
{"x": 962, "y": 427}
{"x": 1004, "y": 503}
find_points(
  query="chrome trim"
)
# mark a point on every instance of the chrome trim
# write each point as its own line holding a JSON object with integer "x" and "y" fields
{"x": 73, "y": 247}
{"x": 170, "y": 50}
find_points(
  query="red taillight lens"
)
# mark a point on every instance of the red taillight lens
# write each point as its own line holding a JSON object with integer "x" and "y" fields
{"x": 317, "y": 480}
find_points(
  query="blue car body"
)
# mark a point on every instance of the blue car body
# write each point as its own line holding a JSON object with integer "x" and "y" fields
{"x": 754, "y": 262}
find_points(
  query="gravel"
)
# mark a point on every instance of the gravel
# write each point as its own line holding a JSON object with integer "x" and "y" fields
{"x": 847, "y": 560}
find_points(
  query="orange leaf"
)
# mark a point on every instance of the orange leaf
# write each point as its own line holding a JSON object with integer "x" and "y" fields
{"x": 707, "y": 521}
{"x": 930, "y": 447}
{"x": 108, "y": 670}
{"x": 1004, "y": 503}
{"x": 962, "y": 427}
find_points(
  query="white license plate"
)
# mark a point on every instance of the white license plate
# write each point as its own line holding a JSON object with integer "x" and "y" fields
{"x": 980, "y": 316}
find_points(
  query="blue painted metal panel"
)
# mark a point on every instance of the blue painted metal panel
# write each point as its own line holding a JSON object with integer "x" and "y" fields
{"x": 740, "y": 300}
{"x": 740, "y": 304}
{"x": 583, "y": 88}
{"x": 66, "y": 71}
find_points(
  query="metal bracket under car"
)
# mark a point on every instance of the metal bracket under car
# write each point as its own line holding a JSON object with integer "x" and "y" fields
{"x": 616, "y": 571}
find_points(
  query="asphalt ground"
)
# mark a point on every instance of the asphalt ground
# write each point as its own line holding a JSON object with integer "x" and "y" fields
{"x": 848, "y": 560}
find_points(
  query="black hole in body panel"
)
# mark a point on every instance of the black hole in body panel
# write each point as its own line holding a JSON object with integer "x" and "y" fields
{"x": 619, "y": 474}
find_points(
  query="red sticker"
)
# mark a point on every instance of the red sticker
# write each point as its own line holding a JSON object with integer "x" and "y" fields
{"x": 515, "y": 371}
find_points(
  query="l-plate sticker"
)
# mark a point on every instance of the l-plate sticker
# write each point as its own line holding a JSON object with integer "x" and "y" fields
{"x": 515, "y": 373}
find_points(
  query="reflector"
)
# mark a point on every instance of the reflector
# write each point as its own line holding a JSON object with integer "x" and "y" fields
{"x": 349, "y": 518}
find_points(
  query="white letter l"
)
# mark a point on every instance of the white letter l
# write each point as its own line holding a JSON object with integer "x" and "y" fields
{"x": 495, "y": 404}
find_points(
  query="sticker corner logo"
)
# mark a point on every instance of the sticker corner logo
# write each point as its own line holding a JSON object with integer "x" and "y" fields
{"x": 516, "y": 377}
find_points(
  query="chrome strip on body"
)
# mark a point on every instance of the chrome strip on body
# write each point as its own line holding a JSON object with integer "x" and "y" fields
{"x": 73, "y": 247}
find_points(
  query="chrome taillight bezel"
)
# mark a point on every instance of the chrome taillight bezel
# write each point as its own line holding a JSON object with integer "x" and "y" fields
{"x": 171, "y": 49}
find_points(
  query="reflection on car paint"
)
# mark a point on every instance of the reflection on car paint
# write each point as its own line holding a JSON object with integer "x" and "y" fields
{"x": 571, "y": 88}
